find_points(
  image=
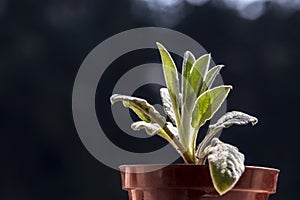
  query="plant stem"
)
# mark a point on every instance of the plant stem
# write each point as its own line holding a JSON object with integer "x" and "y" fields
{"x": 200, "y": 151}
{"x": 202, "y": 160}
{"x": 178, "y": 146}
{"x": 184, "y": 133}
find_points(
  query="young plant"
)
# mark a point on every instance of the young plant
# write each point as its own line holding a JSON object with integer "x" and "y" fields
{"x": 189, "y": 107}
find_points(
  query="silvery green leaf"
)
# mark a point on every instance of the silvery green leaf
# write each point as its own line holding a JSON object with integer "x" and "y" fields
{"x": 171, "y": 78}
{"x": 150, "y": 115}
{"x": 226, "y": 165}
{"x": 141, "y": 107}
{"x": 170, "y": 134}
{"x": 153, "y": 128}
{"x": 234, "y": 118}
{"x": 208, "y": 103}
{"x": 173, "y": 129}
{"x": 210, "y": 77}
{"x": 167, "y": 104}
{"x": 227, "y": 120}
{"x": 197, "y": 75}
{"x": 188, "y": 61}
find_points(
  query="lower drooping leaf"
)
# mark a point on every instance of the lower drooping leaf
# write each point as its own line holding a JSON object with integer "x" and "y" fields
{"x": 153, "y": 129}
{"x": 226, "y": 165}
{"x": 150, "y": 115}
{"x": 227, "y": 120}
{"x": 234, "y": 118}
{"x": 141, "y": 107}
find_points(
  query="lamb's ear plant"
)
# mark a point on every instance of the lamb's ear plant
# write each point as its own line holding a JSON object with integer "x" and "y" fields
{"x": 189, "y": 106}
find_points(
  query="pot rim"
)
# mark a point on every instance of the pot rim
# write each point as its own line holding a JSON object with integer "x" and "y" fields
{"x": 159, "y": 166}
{"x": 169, "y": 176}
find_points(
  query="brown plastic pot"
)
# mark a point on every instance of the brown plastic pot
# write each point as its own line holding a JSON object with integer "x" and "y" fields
{"x": 191, "y": 182}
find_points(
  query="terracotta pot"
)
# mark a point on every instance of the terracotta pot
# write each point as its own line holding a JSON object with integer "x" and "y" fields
{"x": 191, "y": 182}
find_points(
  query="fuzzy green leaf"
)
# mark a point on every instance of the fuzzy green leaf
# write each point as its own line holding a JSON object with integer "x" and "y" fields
{"x": 210, "y": 77}
{"x": 188, "y": 61}
{"x": 226, "y": 165}
{"x": 153, "y": 129}
{"x": 150, "y": 128}
{"x": 141, "y": 107}
{"x": 234, "y": 118}
{"x": 171, "y": 78}
{"x": 198, "y": 73}
{"x": 207, "y": 104}
{"x": 226, "y": 121}
{"x": 150, "y": 115}
{"x": 167, "y": 104}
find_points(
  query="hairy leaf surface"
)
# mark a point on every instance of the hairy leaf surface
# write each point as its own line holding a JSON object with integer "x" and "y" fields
{"x": 226, "y": 165}
{"x": 197, "y": 74}
{"x": 153, "y": 128}
{"x": 171, "y": 78}
{"x": 188, "y": 61}
{"x": 167, "y": 104}
{"x": 207, "y": 104}
{"x": 234, "y": 118}
{"x": 210, "y": 77}
{"x": 141, "y": 107}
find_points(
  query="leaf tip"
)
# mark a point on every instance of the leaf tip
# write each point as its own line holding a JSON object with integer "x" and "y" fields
{"x": 159, "y": 45}
{"x": 230, "y": 87}
{"x": 208, "y": 57}
{"x": 188, "y": 54}
{"x": 222, "y": 192}
{"x": 226, "y": 87}
{"x": 254, "y": 121}
{"x": 113, "y": 98}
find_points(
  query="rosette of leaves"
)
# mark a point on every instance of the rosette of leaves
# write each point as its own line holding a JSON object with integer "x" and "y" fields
{"x": 189, "y": 106}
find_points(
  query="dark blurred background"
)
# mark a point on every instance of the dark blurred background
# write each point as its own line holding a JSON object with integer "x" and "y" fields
{"x": 43, "y": 43}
